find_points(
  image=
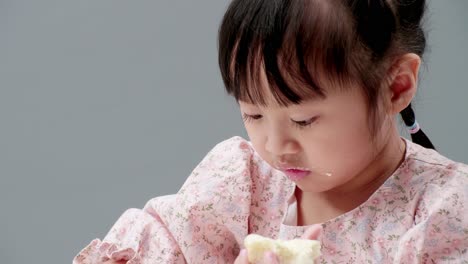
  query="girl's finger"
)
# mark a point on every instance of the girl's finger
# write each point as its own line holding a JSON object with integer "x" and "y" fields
{"x": 242, "y": 258}
{"x": 270, "y": 258}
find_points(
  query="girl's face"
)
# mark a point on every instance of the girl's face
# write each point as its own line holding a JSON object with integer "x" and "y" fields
{"x": 329, "y": 138}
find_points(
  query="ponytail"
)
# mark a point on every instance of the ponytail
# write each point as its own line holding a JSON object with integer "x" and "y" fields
{"x": 417, "y": 135}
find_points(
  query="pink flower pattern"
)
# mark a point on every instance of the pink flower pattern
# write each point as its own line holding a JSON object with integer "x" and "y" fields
{"x": 419, "y": 215}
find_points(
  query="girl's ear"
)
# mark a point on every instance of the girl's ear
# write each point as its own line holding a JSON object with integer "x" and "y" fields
{"x": 403, "y": 82}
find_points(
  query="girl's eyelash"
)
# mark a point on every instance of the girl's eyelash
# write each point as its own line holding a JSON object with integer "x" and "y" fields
{"x": 299, "y": 124}
{"x": 249, "y": 118}
{"x": 305, "y": 123}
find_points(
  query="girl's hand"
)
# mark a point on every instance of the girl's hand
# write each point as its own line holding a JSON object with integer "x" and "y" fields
{"x": 269, "y": 258}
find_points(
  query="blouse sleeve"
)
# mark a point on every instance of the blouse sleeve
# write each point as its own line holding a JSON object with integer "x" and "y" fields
{"x": 440, "y": 233}
{"x": 205, "y": 222}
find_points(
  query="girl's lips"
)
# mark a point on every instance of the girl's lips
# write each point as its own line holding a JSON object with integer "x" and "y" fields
{"x": 296, "y": 174}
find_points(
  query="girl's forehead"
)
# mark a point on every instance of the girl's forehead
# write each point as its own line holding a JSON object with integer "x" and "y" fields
{"x": 272, "y": 103}
{"x": 268, "y": 95}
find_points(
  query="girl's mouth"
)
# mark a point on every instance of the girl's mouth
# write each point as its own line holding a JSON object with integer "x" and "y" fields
{"x": 296, "y": 174}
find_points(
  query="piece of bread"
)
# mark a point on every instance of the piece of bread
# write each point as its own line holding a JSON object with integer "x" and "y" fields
{"x": 297, "y": 251}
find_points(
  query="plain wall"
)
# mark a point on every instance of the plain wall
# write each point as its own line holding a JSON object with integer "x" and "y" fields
{"x": 106, "y": 104}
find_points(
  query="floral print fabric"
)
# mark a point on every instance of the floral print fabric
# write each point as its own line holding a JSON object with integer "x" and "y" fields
{"x": 419, "y": 215}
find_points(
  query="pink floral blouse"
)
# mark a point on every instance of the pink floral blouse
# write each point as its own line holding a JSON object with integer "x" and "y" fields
{"x": 419, "y": 215}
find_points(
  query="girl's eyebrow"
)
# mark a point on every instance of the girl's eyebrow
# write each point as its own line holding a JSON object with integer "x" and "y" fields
{"x": 245, "y": 103}
{"x": 313, "y": 98}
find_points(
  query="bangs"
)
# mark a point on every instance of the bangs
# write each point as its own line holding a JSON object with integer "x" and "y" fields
{"x": 293, "y": 50}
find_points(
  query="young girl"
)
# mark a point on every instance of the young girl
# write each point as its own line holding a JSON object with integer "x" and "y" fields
{"x": 319, "y": 84}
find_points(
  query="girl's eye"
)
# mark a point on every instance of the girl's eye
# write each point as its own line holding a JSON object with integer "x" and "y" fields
{"x": 248, "y": 118}
{"x": 305, "y": 123}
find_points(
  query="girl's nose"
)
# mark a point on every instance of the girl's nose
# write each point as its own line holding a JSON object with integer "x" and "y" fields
{"x": 281, "y": 145}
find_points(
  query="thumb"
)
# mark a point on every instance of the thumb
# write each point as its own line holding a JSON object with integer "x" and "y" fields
{"x": 314, "y": 232}
{"x": 270, "y": 258}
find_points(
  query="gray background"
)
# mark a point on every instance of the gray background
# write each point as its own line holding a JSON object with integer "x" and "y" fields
{"x": 105, "y": 104}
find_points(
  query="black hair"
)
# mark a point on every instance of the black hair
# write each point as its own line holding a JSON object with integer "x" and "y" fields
{"x": 310, "y": 43}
